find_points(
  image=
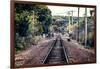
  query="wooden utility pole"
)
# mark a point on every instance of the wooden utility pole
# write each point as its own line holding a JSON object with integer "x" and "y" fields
{"x": 85, "y": 27}
{"x": 72, "y": 16}
{"x": 69, "y": 22}
{"x": 77, "y": 34}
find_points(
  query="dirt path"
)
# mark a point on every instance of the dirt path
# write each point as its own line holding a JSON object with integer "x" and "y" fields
{"x": 33, "y": 55}
{"x": 78, "y": 54}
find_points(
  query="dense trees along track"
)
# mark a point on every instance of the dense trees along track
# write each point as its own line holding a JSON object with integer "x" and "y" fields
{"x": 56, "y": 54}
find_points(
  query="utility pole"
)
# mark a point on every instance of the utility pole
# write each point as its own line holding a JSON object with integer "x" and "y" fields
{"x": 69, "y": 22}
{"x": 77, "y": 33}
{"x": 72, "y": 16}
{"x": 70, "y": 13}
{"x": 85, "y": 27}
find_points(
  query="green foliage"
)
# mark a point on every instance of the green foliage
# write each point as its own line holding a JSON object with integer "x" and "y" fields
{"x": 44, "y": 18}
{"x": 80, "y": 28}
{"x": 19, "y": 8}
{"x": 90, "y": 31}
{"x": 22, "y": 20}
{"x": 30, "y": 22}
{"x": 90, "y": 39}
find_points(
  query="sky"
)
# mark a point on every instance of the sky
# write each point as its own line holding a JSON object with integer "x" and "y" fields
{"x": 61, "y": 10}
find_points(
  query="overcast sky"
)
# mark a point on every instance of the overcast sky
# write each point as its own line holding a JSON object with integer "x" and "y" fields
{"x": 61, "y": 10}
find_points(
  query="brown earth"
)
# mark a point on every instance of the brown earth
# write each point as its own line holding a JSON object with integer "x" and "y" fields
{"x": 78, "y": 54}
{"x": 33, "y": 55}
{"x": 36, "y": 54}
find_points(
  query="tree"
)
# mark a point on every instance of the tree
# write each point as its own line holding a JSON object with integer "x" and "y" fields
{"x": 30, "y": 19}
{"x": 22, "y": 18}
{"x": 44, "y": 18}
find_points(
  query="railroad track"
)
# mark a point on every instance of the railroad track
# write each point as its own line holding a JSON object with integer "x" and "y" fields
{"x": 57, "y": 53}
